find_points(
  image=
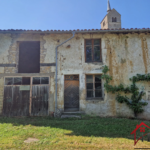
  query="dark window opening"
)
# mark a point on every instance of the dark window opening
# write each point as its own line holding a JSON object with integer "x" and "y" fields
{"x": 93, "y": 50}
{"x": 17, "y": 81}
{"x": 114, "y": 19}
{"x": 44, "y": 80}
{"x": 8, "y": 81}
{"x": 40, "y": 80}
{"x": 26, "y": 81}
{"x": 103, "y": 23}
{"x": 93, "y": 86}
{"x": 36, "y": 80}
{"x": 29, "y": 57}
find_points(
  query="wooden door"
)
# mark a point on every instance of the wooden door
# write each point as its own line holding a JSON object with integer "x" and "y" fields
{"x": 16, "y": 102}
{"x": 71, "y": 92}
{"x": 39, "y": 100}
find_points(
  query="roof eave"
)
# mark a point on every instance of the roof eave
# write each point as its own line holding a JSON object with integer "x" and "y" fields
{"x": 77, "y": 31}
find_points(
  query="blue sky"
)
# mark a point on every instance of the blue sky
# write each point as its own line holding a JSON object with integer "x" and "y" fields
{"x": 70, "y": 14}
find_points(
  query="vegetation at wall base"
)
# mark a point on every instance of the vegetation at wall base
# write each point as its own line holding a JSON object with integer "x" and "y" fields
{"x": 134, "y": 102}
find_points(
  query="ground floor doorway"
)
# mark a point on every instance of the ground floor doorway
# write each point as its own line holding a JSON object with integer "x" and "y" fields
{"x": 71, "y": 93}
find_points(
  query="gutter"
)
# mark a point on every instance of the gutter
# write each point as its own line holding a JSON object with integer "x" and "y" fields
{"x": 56, "y": 69}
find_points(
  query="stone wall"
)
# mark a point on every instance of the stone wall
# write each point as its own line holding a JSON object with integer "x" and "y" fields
{"x": 125, "y": 54}
{"x": 9, "y": 55}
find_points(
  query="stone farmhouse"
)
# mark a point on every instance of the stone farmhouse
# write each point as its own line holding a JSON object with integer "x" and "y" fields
{"x": 40, "y": 73}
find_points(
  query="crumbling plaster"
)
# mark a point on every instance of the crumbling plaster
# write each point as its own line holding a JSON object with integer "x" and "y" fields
{"x": 5, "y": 42}
{"x": 9, "y": 54}
{"x": 125, "y": 54}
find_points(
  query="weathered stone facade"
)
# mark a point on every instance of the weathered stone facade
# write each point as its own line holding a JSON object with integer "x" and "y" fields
{"x": 125, "y": 53}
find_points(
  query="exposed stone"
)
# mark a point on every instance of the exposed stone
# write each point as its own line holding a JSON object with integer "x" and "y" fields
{"x": 10, "y": 70}
{"x": 45, "y": 69}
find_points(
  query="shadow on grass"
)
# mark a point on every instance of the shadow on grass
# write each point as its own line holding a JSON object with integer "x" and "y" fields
{"x": 87, "y": 126}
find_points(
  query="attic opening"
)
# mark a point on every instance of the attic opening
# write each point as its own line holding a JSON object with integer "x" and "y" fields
{"x": 103, "y": 23}
{"x": 29, "y": 57}
{"x": 114, "y": 19}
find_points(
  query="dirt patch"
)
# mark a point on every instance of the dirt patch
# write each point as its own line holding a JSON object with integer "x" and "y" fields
{"x": 30, "y": 140}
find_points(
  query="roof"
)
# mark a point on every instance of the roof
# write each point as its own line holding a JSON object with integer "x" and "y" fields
{"x": 116, "y": 11}
{"x": 104, "y": 17}
{"x": 121, "y": 30}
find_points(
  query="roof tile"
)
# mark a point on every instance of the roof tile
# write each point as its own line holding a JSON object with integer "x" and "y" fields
{"x": 77, "y": 30}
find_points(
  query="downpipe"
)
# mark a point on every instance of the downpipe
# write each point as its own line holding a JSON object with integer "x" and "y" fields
{"x": 56, "y": 49}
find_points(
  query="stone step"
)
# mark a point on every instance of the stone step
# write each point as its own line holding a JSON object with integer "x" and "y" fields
{"x": 70, "y": 116}
{"x": 74, "y": 113}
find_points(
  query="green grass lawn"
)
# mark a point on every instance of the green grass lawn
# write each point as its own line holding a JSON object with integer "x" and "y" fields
{"x": 86, "y": 133}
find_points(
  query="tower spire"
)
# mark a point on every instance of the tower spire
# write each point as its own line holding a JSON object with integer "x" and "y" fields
{"x": 108, "y": 7}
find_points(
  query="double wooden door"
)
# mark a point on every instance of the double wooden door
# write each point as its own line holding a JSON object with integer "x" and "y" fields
{"x": 24, "y": 100}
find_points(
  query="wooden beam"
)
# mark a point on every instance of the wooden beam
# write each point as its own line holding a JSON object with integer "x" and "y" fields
{"x": 48, "y": 64}
{"x": 30, "y": 102}
{"x": 7, "y": 65}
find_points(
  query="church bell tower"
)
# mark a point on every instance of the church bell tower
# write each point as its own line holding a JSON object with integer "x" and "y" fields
{"x": 112, "y": 20}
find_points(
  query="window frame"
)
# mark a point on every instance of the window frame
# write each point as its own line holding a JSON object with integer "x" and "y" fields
{"x": 93, "y": 51}
{"x": 31, "y": 80}
{"x": 94, "y": 98}
{"x": 40, "y": 80}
